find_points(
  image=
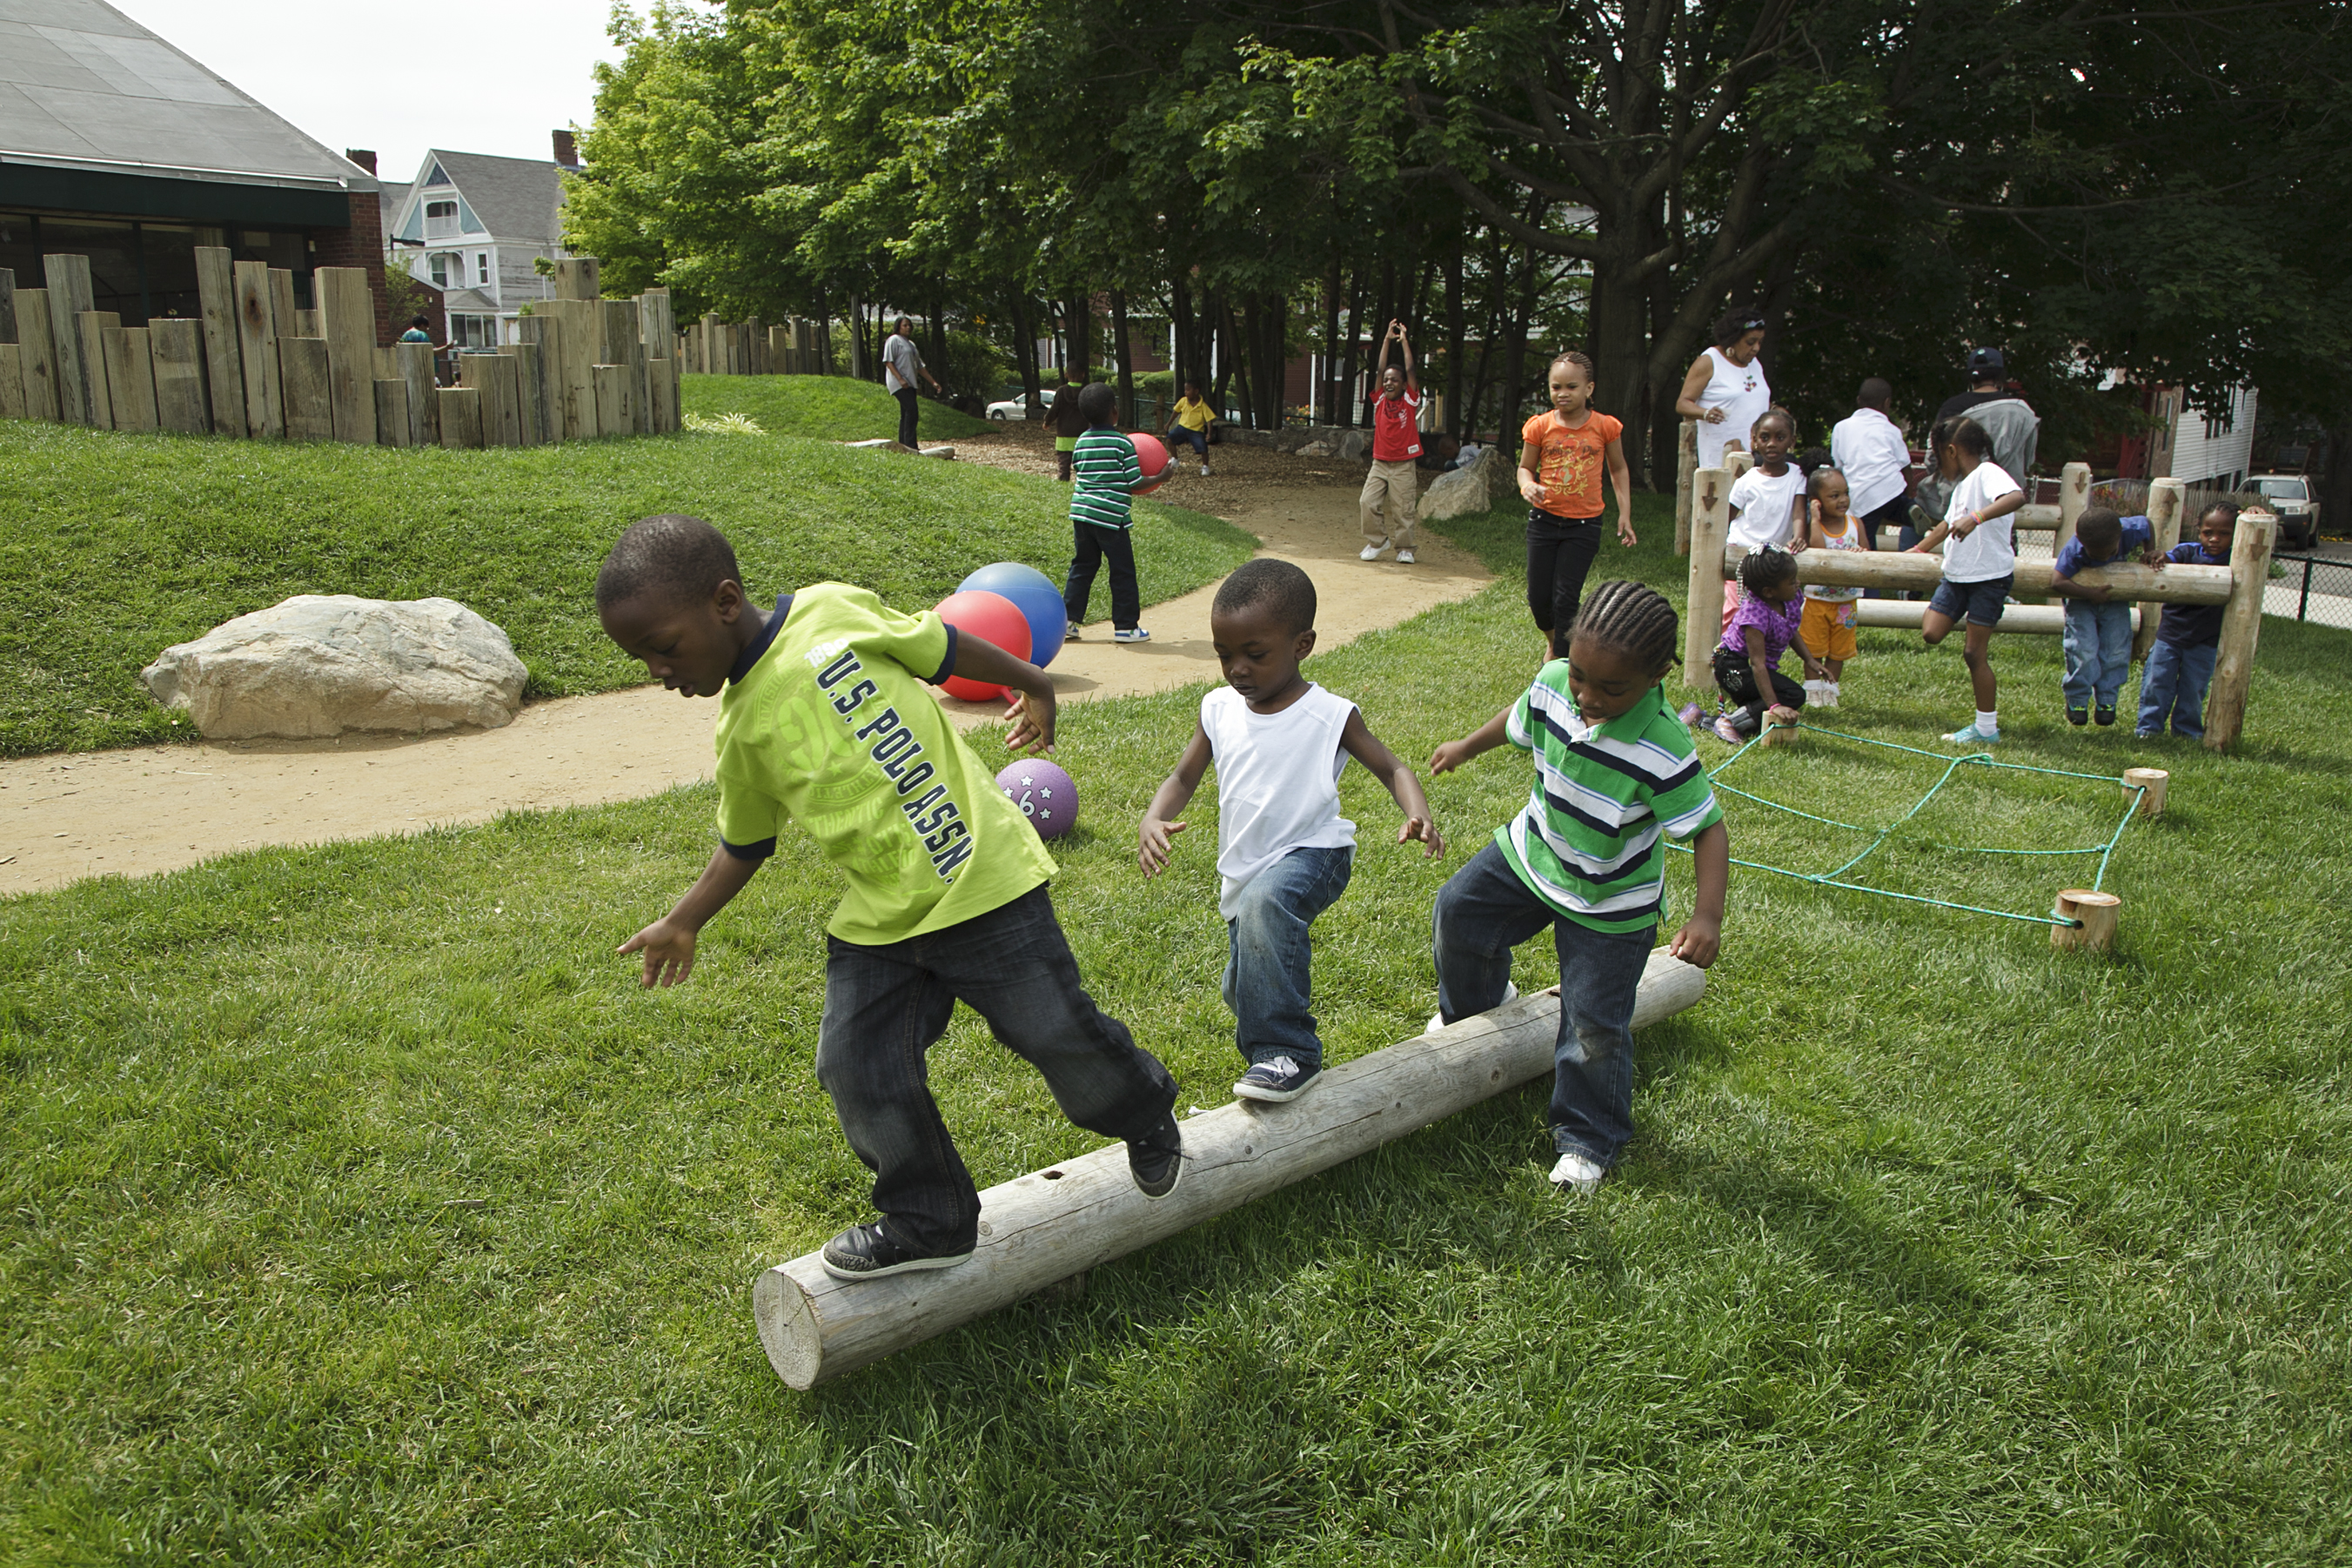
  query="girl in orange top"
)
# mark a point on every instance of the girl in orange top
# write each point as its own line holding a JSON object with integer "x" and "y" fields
{"x": 1560, "y": 458}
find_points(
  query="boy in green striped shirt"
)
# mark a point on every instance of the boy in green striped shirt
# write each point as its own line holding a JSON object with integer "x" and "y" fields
{"x": 1616, "y": 774}
{"x": 1101, "y": 517}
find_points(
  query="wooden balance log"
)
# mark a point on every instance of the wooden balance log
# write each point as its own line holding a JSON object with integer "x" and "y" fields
{"x": 1038, "y": 1230}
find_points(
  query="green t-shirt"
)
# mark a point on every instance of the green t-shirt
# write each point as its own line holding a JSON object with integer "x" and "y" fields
{"x": 1590, "y": 841}
{"x": 831, "y": 728}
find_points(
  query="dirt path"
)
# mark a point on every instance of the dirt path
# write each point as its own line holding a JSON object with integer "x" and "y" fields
{"x": 135, "y": 813}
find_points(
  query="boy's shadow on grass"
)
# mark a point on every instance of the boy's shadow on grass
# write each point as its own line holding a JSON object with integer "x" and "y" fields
{"x": 1459, "y": 1201}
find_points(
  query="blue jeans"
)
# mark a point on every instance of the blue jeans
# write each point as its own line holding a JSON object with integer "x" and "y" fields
{"x": 2172, "y": 686}
{"x": 1268, "y": 983}
{"x": 2098, "y": 651}
{"x": 886, "y": 1004}
{"x": 1484, "y": 912}
{"x": 1197, "y": 439}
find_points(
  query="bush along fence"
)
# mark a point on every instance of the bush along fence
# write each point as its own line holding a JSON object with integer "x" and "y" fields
{"x": 793, "y": 347}
{"x": 252, "y": 366}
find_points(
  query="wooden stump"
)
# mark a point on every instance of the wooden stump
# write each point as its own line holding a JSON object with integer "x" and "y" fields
{"x": 130, "y": 377}
{"x": 12, "y": 382}
{"x": 1703, "y": 611}
{"x": 2152, "y": 780}
{"x": 614, "y": 415}
{"x": 37, "y": 354}
{"x": 256, "y": 340}
{"x": 460, "y": 416}
{"x": 70, "y": 297}
{"x": 2242, "y": 628}
{"x": 2096, "y": 911}
{"x": 90, "y": 328}
{"x": 347, "y": 322}
{"x": 1777, "y": 731}
{"x": 303, "y": 377}
{"x": 2164, "y": 501}
{"x": 223, "y": 365}
{"x": 415, "y": 360}
{"x": 1051, "y": 1225}
{"x": 1686, "y": 469}
{"x": 392, "y": 426}
{"x": 2073, "y": 498}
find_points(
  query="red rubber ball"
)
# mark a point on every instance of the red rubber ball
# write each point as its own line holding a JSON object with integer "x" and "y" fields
{"x": 991, "y": 617}
{"x": 1152, "y": 457}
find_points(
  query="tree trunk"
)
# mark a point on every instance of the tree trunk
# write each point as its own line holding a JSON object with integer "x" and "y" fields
{"x": 1025, "y": 354}
{"x": 1126, "y": 358}
{"x": 856, "y": 337}
{"x": 1079, "y": 328}
{"x": 2335, "y": 480}
{"x": 1326, "y": 400}
{"x": 1618, "y": 328}
{"x": 1453, "y": 426}
{"x": 1228, "y": 341}
{"x": 1515, "y": 358}
{"x": 1345, "y": 413}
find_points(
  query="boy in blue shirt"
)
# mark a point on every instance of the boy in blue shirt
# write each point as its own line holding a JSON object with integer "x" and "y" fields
{"x": 2098, "y": 628}
{"x": 2180, "y": 665}
{"x": 1102, "y": 516}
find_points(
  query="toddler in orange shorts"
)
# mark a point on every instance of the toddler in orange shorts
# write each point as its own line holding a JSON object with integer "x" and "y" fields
{"x": 1828, "y": 625}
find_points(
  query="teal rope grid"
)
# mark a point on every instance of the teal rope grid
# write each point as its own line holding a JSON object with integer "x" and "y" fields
{"x": 2105, "y": 852}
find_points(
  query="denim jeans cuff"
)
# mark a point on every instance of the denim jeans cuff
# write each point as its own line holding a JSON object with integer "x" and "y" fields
{"x": 1563, "y": 1142}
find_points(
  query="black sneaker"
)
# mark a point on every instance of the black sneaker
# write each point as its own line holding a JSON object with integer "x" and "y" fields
{"x": 2078, "y": 717}
{"x": 2107, "y": 715}
{"x": 1277, "y": 1081}
{"x": 870, "y": 1251}
{"x": 1157, "y": 1159}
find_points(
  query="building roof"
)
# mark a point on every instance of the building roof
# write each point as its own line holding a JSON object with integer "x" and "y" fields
{"x": 468, "y": 301}
{"x": 83, "y": 87}
{"x": 390, "y": 195}
{"x": 510, "y": 199}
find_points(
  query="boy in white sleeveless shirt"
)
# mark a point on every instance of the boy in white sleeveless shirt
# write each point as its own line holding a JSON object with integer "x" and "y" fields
{"x": 1279, "y": 743}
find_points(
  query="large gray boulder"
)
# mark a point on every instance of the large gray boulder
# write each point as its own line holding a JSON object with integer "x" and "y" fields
{"x": 321, "y": 664}
{"x": 1458, "y": 492}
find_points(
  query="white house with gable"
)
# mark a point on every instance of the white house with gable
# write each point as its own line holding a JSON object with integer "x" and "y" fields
{"x": 476, "y": 227}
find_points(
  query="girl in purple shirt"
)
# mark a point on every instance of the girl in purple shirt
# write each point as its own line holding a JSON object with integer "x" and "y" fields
{"x": 1746, "y": 662}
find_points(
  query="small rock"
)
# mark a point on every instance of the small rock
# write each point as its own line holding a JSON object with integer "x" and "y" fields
{"x": 1355, "y": 443}
{"x": 1316, "y": 449}
{"x": 1459, "y": 493}
{"x": 321, "y": 664}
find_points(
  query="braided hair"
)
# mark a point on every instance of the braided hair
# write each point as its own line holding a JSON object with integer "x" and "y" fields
{"x": 1631, "y": 617}
{"x": 1766, "y": 568}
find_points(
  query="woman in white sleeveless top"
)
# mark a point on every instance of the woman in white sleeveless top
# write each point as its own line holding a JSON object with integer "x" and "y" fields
{"x": 1725, "y": 391}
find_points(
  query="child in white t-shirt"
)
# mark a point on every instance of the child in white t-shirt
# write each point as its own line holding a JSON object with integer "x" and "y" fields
{"x": 1980, "y": 566}
{"x": 1768, "y": 501}
{"x": 1279, "y": 743}
{"x": 1828, "y": 628}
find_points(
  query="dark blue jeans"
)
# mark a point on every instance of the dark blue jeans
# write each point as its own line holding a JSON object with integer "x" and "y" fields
{"x": 1483, "y": 914}
{"x": 907, "y": 410}
{"x": 1268, "y": 979}
{"x": 885, "y": 1006}
{"x": 1197, "y": 439}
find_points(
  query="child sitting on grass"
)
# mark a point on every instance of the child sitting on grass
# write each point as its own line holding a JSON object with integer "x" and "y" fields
{"x": 1614, "y": 775}
{"x": 1827, "y": 628}
{"x": 823, "y": 719}
{"x": 2098, "y": 628}
{"x": 1980, "y": 568}
{"x": 1767, "y": 501}
{"x": 1770, "y": 620}
{"x": 2188, "y": 639}
{"x": 1102, "y": 516}
{"x": 1279, "y": 743}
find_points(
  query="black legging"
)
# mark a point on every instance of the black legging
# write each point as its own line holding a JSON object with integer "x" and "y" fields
{"x": 1737, "y": 677}
{"x": 1559, "y": 553}
{"x": 907, "y": 414}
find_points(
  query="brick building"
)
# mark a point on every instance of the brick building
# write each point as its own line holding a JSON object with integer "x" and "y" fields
{"x": 117, "y": 146}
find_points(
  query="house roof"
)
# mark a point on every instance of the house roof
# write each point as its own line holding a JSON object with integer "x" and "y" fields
{"x": 391, "y": 197}
{"x": 471, "y": 301}
{"x": 83, "y": 87}
{"x": 513, "y": 198}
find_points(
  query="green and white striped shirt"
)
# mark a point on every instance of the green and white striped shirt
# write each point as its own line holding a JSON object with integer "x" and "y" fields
{"x": 1590, "y": 841}
{"x": 1106, "y": 472}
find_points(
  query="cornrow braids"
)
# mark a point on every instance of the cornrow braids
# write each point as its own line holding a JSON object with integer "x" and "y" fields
{"x": 1583, "y": 362}
{"x": 1766, "y": 568}
{"x": 1631, "y": 617}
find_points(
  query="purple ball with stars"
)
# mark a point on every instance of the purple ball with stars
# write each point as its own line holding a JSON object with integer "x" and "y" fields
{"x": 1044, "y": 793}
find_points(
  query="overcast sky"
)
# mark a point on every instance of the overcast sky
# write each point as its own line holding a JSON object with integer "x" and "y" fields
{"x": 397, "y": 79}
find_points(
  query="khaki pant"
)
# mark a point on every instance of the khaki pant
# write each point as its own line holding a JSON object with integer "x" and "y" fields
{"x": 1397, "y": 485}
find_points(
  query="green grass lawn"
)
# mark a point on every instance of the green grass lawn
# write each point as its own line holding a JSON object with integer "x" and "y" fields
{"x": 826, "y": 407}
{"x": 361, "y": 1209}
{"x": 120, "y": 545}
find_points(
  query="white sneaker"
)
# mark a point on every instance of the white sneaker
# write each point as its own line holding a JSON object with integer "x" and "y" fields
{"x": 1130, "y": 634}
{"x": 1404, "y": 557}
{"x": 1371, "y": 551}
{"x": 1204, "y": 470}
{"x": 1577, "y": 1176}
{"x": 1437, "y": 1020}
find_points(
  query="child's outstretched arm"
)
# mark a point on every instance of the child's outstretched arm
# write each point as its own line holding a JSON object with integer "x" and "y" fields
{"x": 1701, "y": 937}
{"x": 1620, "y": 479}
{"x": 1476, "y": 743}
{"x": 1404, "y": 344}
{"x": 668, "y": 942}
{"x": 1029, "y": 720}
{"x": 1359, "y": 742}
{"x": 1175, "y": 793}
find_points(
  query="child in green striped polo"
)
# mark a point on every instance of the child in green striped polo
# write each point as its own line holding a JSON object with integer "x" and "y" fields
{"x": 1101, "y": 516}
{"x": 1615, "y": 775}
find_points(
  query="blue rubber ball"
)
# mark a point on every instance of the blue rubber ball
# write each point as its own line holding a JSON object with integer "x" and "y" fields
{"x": 1034, "y": 595}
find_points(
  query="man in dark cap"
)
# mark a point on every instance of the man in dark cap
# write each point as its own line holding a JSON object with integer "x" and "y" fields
{"x": 2014, "y": 429}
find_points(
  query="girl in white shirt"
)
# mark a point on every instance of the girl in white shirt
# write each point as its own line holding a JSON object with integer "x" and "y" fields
{"x": 1768, "y": 501}
{"x": 1980, "y": 568}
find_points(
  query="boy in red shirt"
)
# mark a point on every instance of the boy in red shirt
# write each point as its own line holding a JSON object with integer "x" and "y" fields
{"x": 1396, "y": 442}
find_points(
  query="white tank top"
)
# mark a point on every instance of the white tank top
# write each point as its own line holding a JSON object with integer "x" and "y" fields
{"x": 1850, "y": 539}
{"x": 1743, "y": 395}
{"x": 1278, "y": 781}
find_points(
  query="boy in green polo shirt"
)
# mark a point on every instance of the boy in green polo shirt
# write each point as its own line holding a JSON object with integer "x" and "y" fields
{"x": 822, "y": 721}
{"x": 1615, "y": 775}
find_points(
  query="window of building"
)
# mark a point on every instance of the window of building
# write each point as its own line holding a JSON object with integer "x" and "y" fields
{"x": 440, "y": 220}
{"x": 481, "y": 267}
{"x": 440, "y": 265}
{"x": 470, "y": 332}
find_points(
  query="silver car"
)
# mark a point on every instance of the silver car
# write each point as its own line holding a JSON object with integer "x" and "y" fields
{"x": 2293, "y": 497}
